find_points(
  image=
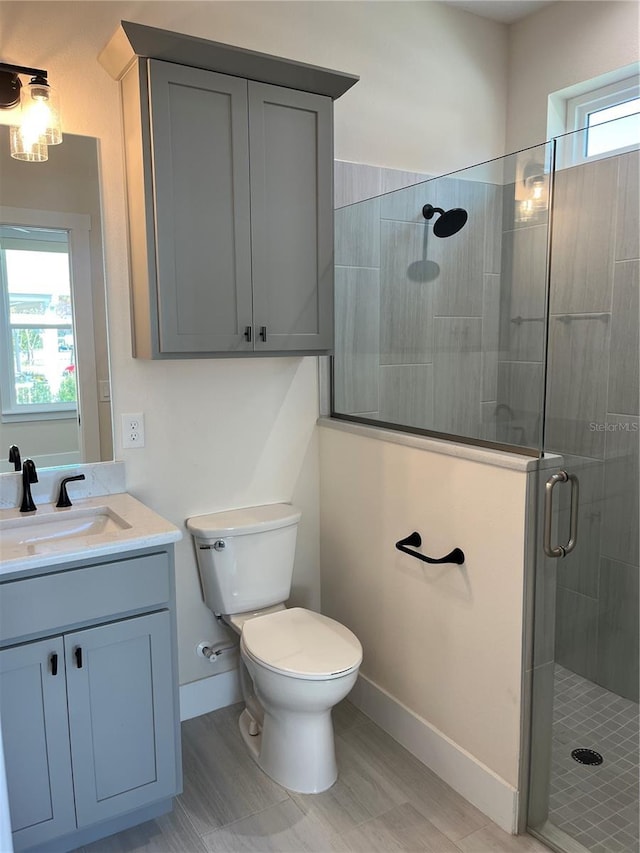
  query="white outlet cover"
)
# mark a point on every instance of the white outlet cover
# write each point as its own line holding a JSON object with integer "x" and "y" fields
{"x": 132, "y": 431}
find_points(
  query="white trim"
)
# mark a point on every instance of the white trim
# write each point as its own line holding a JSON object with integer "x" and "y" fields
{"x": 473, "y": 780}
{"x": 209, "y": 694}
{"x": 446, "y": 447}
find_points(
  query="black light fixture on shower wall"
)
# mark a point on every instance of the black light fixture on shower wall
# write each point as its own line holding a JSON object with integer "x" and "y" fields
{"x": 38, "y": 121}
{"x": 449, "y": 222}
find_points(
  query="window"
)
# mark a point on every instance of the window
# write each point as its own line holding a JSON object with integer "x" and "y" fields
{"x": 608, "y": 120}
{"x": 38, "y": 374}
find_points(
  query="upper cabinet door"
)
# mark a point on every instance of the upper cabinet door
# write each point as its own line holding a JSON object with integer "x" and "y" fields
{"x": 199, "y": 140}
{"x": 291, "y": 143}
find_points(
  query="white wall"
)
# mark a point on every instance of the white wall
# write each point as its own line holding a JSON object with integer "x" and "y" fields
{"x": 223, "y": 433}
{"x": 444, "y": 641}
{"x": 563, "y": 44}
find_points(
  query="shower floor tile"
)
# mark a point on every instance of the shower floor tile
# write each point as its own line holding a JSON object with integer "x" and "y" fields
{"x": 598, "y": 805}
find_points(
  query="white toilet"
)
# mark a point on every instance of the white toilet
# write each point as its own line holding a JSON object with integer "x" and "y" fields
{"x": 299, "y": 664}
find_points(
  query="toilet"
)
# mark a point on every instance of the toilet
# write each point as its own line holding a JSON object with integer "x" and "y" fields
{"x": 296, "y": 664}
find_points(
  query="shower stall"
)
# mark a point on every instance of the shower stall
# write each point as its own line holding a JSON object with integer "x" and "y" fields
{"x": 499, "y": 306}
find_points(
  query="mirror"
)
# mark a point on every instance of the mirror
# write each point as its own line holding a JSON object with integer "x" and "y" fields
{"x": 54, "y": 370}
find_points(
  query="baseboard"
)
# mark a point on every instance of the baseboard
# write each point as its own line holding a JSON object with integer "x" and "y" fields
{"x": 465, "y": 774}
{"x": 209, "y": 694}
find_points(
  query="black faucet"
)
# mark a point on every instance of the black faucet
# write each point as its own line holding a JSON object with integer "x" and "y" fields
{"x": 29, "y": 475}
{"x": 14, "y": 456}
{"x": 63, "y": 497}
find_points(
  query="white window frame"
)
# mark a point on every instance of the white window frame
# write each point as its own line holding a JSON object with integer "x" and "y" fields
{"x": 78, "y": 227}
{"x": 581, "y": 106}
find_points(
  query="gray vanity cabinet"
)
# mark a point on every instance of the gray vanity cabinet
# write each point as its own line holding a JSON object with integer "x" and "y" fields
{"x": 238, "y": 219}
{"x": 89, "y": 712}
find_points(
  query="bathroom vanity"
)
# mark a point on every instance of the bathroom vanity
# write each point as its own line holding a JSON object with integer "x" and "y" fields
{"x": 88, "y": 670}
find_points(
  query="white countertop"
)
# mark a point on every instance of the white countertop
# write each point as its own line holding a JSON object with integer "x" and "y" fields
{"x": 145, "y": 529}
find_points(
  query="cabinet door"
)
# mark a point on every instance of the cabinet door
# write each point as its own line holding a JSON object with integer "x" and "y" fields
{"x": 121, "y": 716}
{"x": 201, "y": 204}
{"x": 35, "y": 735}
{"x": 291, "y": 138}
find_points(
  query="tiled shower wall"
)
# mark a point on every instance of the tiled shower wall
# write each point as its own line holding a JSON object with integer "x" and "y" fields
{"x": 594, "y": 418}
{"x": 416, "y": 315}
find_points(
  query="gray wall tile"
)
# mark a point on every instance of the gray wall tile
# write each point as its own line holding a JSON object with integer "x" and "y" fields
{"x": 357, "y": 338}
{"x": 357, "y": 234}
{"x": 624, "y": 378}
{"x": 395, "y": 179}
{"x": 620, "y": 520}
{"x": 406, "y": 394}
{"x": 628, "y": 218}
{"x": 577, "y": 384}
{"x": 490, "y": 336}
{"x": 576, "y": 632}
{"x": 492, "y": 228}
{"x": 406, "y": 292}
{"x": 354, "y": 182}
{"x": 457, "y": 375}
{"x": 405, "y": 205}
{"x": 618, "y": 664}
{"x": 459, "y": 287}
{"x": 583, "y": 237}
{"x": 520, "y": 390}
{"x": 523, "y": 294}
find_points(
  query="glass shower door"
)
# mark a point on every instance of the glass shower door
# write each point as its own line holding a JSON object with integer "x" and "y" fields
{"x": 584, "y": 753}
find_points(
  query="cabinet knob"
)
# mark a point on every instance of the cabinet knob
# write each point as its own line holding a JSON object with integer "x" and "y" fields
{"x": 263, "y": 333}
{"x": 247, "y": 334}
{"x": 53, "y": 663}
{"x": 78, "y": 654}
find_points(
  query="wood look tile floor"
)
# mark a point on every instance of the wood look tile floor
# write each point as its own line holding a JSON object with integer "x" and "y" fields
{"x": 384, "y": 801}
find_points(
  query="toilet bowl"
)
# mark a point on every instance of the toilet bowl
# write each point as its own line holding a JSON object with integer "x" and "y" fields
{"x": 301, "y": 664}
{"x": 296, "y": 664}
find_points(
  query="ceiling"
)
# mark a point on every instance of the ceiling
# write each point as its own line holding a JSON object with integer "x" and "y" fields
{"x": 505, "y": 11}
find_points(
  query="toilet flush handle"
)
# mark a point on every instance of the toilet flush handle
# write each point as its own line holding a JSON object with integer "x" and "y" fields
{"x": 218, "y": 545}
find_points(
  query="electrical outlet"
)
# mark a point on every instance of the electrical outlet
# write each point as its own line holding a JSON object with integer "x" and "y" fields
{"x": 133, "y": 430}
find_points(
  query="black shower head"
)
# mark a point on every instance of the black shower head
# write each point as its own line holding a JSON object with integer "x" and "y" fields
{"x": 450, "y": 221}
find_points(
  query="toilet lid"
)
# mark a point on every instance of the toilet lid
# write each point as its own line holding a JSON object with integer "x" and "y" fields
{"x": 302, "y": 643}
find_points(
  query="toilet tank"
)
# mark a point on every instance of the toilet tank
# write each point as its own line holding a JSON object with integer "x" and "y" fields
{"x": 245, "y": 556}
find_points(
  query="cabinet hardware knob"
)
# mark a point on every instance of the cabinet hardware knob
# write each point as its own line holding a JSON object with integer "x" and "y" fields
{"x": 247, "y": 334}
{"x": 53, "y": 662}
{"x": 78, "y": 654}
{"x": 263, "y": 333}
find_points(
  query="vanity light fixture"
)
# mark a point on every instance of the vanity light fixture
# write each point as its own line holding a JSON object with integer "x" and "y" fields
{"x": 39, "y": 122}
{"x": 535, "y": 198}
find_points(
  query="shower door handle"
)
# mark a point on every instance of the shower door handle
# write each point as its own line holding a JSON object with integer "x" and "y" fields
{"x": 560, "y": 550}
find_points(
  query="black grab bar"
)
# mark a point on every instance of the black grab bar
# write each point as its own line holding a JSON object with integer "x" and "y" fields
{"x": 415, "y": 540}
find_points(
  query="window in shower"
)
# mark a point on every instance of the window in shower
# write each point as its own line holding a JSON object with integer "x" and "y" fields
{"x": 610, "y": 119}
{"x": 440, "y": 294}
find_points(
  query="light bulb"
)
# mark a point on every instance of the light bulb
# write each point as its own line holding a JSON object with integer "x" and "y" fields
{"x": 25, "y": 147}
{"x": 40, "y": 112}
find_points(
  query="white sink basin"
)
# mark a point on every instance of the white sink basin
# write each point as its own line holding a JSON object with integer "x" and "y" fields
{"x": 92, "y": 528}
{"x": 61, "y": 525}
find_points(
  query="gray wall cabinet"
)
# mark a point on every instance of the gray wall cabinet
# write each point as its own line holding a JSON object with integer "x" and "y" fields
{"x": 229, "y": 184}
{"x": 90, "y": 719}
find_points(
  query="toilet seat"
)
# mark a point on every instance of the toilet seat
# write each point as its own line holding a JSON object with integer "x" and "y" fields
{"x": 301, "y": 644}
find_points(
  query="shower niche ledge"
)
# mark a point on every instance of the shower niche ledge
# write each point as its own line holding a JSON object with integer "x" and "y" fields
{"x": 229, "y": 162}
